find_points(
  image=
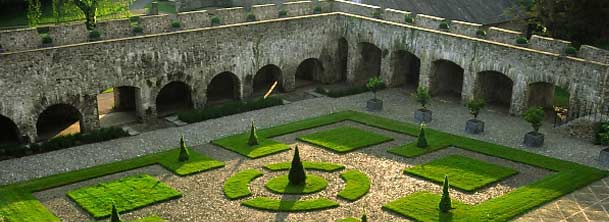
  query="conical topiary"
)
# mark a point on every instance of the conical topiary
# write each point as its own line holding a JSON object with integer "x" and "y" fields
{"x": 297, "y": 175}
{"x": 421, "y": 140}
{"x": 364, "y": 218}
{"x": 253, "y": 136}
{"x": 115, "y": 217}
{"x": 184, "y": 154}
{"x": 445, "y": 203}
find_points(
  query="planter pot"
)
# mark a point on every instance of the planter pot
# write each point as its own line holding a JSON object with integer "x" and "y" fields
{"x": 474, "y": 126}
{"x": 533, "y": 139}
{"x": 422, "y": 115}
{"x": 603, "y": 157}
{"x": 374, "y": 105}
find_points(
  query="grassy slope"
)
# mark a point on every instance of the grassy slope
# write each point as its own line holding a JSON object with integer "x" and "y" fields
{"x": 237, "y": 186}
{"x": 319, "y": 166}
{"x": 344, "y": 139}
{"x": 357, "y": 185}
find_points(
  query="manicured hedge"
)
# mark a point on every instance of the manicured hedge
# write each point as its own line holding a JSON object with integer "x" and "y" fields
{"x": 228, "y": 108}
{"x": 336, "y": 93}
{"x": 357, "y": 185}
{"x": 265, "y": 203}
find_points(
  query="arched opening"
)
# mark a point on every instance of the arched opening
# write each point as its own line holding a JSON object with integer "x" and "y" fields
{"x": 9, "y": 133}
{"x": 309, "y": 72}
{"x": 407, "y": 68}
{"x": 174, "y": 97}
{"x": 223, "y": 87}
{"x": 265, "y": 77}
{"x": 547, "y": 96}
{"x": 495, "y": 88}
{"x": 343, "y": 58}
{"x": 446, "y": 79}
{"x": 117, "y": 106}
{"x": 369, "y": 64}
{"x": 58, "y": 119}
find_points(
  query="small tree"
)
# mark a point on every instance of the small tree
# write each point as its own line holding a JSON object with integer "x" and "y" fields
{"x": 297, "y": 175}
{"x": 445, "y": 203}
{"x": 115, "y": 217}
{"x": 423, "y": 97}
{"x": 253, "y": 140}
{"x": 33, "y": 12}
{"x": 535, "y": 116}
{"x": 364, "y": 218}
{"x": 184, "y": 154}
{"x": 422, "y": 140}
{"x": 374, "y": 84}
{"x": 89, "y": 8}
{"x": 475, "y": 106}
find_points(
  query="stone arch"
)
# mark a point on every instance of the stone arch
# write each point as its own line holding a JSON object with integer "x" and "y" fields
{"x": 223, "y": 86}
{"x": 406, "y": 68}
{"x": 265, "y": 77}
{"x": 546, "y": 95}
{"x": 9, "y": 132}
{"x": 446, "y": 79}
{"x": 343, "y": 58}
{"x": 58, "y": 119}
{"x": 174, "y": 97}
{"x": 495, "y": 88}
{"x": 309, "y": 71}
{"x": 369, "y": 64}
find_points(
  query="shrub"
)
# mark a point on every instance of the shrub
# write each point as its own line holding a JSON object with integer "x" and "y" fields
{"x": 475, "y": 106}
{"x": 423, "y": 97}
{"x": 335, "y": 93}
{"x": 228, "y": 108}
{"x": 176, "y": 24}
{"x": 253, "y": 140}
{"x": 444, "y": 25}
{"x": 215, "y": 20}
{"x": 522, "y": 41}
{"x": 134, "y": 19}
{"x": 374, "y": 84}
{"x": 408, "y": 19}
{"x": 65, "y": 141}
{"x": 46, "y": 39}
{"x": 534, "y": 116}
{"x": 445, "y": 203}
{"x": 481, "y": 33}
{"x": 317, "y": 9}
{"x": 283, "y": 13}
{"x": 422, "y": 139}
{"x": 250, "y": 17}
{"x": 94, "y": 34}
{"x": 571, "y": 50}
{"x": 138, "y": 29}
{"x": 377, "y": 14}
{"x": 364, "y": 218}
{"x": 297, "y": 175}
{"x": 184, "y": 154}
{"x": 602, "y": 134}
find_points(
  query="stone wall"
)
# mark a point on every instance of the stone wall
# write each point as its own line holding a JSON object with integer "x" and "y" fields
{"x": 396, "y": 15}
{"x": 229, "y": 15}
{"x": 593, "y": 54}
{"x": 21, "y": 39}
{"x": 428, "y": 21}
{"x": 465, "y": 28}
{"x": 196, "y": 19}
{"x": 354, "y": 8}
{"x": 69, "y": 34}
{"x": 265, "y": 12}
{"x": 115, "y": 29}
{"x": 503, "y": 35}
{"x": 300, "y": 8}
{"x": 155, "y": 24}
{"x": 549, "y": 44}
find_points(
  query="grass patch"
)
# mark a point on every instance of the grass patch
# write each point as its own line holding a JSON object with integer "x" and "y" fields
{"x": 127, "y": 194}
{"x": 238, "y": 144}
{"x": 197, "y": 163}
{"x": 237, "y": 186}
{"x": 319, "y": 166}
{"x": 357, "y": 185}
{"x": 423, "y": 206}
{"x": 464, "y": 173}
{"x": 561, "y": 97}
{"x": 411, "y": 150}
{"x": 265, "y": 203}
{"x": 164, "y": 7}
{"x": 344, "y": 139}
{"x": 145, "y": 219}
{"x": 281, "y": 185}
{"x": 349, "y": 219}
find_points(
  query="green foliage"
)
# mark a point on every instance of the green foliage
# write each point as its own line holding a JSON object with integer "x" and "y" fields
{"x": 46, "y": 39}
{"x": 237, "y": 186}
{"x": 228, "y": 108}
{"x": 238, "y": 144}
{"x": 275, "y": 205}
{"x": 571, "y": 50}
{"x": 466, "y": 173}
{"x": 319, "y": 166}
{"x": 282, "y": 185}
{"x": 481, "y": 33}
{"x": 115, "y": 217}
{"x": 444, "y": 25}
{"x": 94, "y": 34}
{"x": 283, "y": 13}
{"x": 138, "y": 29}
{"x": 215, "y": 20}
{"x": 445, "y": 204}
{"x": 422, "y": 96}
{"x": 534, "y": 116}
{"x": 411, "y": 150}
{"x": 336, "y": 93}
{"x": 196, "y": 162}
{"x": 602, "y": 134}
{"x": 377, "y": 15}
{"x": 423, "y": 206}
{"x": 422, "y": 139}
{"x": 33, "y": 12}
{"x": 357, "y": 184}
{"x": 253, "y": 139}
{"x": 522, "y": 41}
{"x": 176, "y": 24}
{"x": 250, "y": 17}
{"x": 297, "y": 175}
{"x": 408, "y": 19}
{"x": 65, "y": 141}
{"x": 134, "y": 19}
{"x": 374, "y": 84}
{"x": 317, "y": 9}
{"x": 344, "y": 139}
{"x": 184, "y": 154}
{"x": 475, "y": 106}
{"x": 364, "y": 218}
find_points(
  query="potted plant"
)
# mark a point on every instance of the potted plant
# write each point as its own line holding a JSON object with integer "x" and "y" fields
{"x": 423, "y": 114}
{"x": 374, "y": 84}
{"x": 250, "y": 17}
{"x": 138, "y": 30}
{"x": 534, "y": 116}
{"x": 571, "y": 51}
{"x": 475, "y": 126}
{"x": 317, "y": 10}
{"x": 283, "y": 13}
{"x": 408, "y": 19}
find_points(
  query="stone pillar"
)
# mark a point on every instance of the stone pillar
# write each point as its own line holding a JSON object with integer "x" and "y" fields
{"x": 288, "y": 77}
{"x": 154, "y": 8}
{"x": 519, "y": 95}
{"x": 247, "y": 86}
{"x": 90, "y": 116}
{"x": 145, "y": 105}
{"x": 199, "y": 97}
{"x": 425, "y": 72}
{"x": 388, "y": 69}
{"x": 469, "y": 85}
{"x": 354, "y": 59}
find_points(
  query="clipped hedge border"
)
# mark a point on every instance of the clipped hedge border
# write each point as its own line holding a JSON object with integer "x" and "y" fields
{"x": 357, "y": 185}
{"x": 274, "y": 205}
{"x": 319, "y": 166}
{"x": 237, "y": 186}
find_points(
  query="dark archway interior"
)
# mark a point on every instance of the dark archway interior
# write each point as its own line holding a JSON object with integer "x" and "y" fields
{"x": 495, "y": 88}
{"x": 343, "y": 58}
{"x": 309, "y": 72}
{"x": 56, "y": 120}
{"x": 9, "y": 133}
{"x": 224, "y": 86}
{"x": 174, "y": 97}
{"x": 407, "y": 68}
{"x": 265, "y": 77}
{"x": 369, "y": 64}
{"x": 547, "y": 95}
{"x": 125, "y": 98}
{"x": 446, "y": 79}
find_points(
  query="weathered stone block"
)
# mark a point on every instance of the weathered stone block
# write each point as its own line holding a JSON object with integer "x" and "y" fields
{"x": 196, "y": 19}
{"x": 396, "y": 15}
{"x": 533, "y": 139}
{"x": 423, "y": 115}
{"x": 603, "y": 156}
{"x": 115, "y": 29}
{"x": 465, "y": 28}
{"x": 428, "y": 21}
{"x": 503, "y": 35}
{"x": 155, "y": 24}
{"x": 374, "y": 105}
{"x": 298, "y": 8}
{"x": 265, "y": 12}
{"x": 355, "y": 8}
{"x": 69, "y": 34}
{"x": 19, "y": 39}
{"x": 549, "y": 44}
{"x": 593, "y": 54}
{"x": 474, "y": 126}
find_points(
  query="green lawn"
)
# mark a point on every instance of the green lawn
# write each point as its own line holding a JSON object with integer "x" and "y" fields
{"x": 270, "y": 204}
{"x": 561, "y": 97}
{"x": 463, "y": 172}
{"x": 411, "y": 150}
{"x": 423, "y": 206}
{"x": 357, "y": 185}
{"x": 319, "y": 166}
{"x": 196, "y": 164}
{"x": 237, "y": 186}
{"x": 127, "y": 194}
{"x": 281, "y": 185}
{"x": 145, "y": 219}
{"x": 344, "y": 139}
{"x": 238, "y": 144}
{"x": 164, "y": 7}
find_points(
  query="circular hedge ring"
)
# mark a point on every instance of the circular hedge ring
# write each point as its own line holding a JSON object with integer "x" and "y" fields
{"x": 281, "y": 185}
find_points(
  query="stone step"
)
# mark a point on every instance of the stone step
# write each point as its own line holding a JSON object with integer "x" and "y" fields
{"x": 175, "y": 120}
{"x": 130, "y": 131}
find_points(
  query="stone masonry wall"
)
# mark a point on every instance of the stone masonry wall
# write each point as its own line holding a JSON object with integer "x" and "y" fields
{"x": 549, "y": 44}
{"x": 21, "y": 39}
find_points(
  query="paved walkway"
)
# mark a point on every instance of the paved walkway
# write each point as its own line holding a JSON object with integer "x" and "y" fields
{"x": 399, "y": 105}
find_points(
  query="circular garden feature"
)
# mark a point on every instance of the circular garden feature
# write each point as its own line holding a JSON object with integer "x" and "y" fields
{"x": 282, "y": 185}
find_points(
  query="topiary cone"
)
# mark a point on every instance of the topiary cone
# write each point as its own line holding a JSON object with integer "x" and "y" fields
{"x": 297, "y": 175}
{"x": 253, "y": 140}
{"x": 184, "y": 154}
{"x": 421, "y": 140}
{"x": 115, "y": 217}
{"x": 445, "y": 203}
{"x": 364, "y": 218}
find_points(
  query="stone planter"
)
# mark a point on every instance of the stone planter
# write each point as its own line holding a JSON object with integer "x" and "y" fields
{"x": 603, "y": 156}
{"x": 474, "y": 126}
{"x": 374, "y": 105}
{"x": 533, "y": 139}
{"x": 422, "y": 115}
